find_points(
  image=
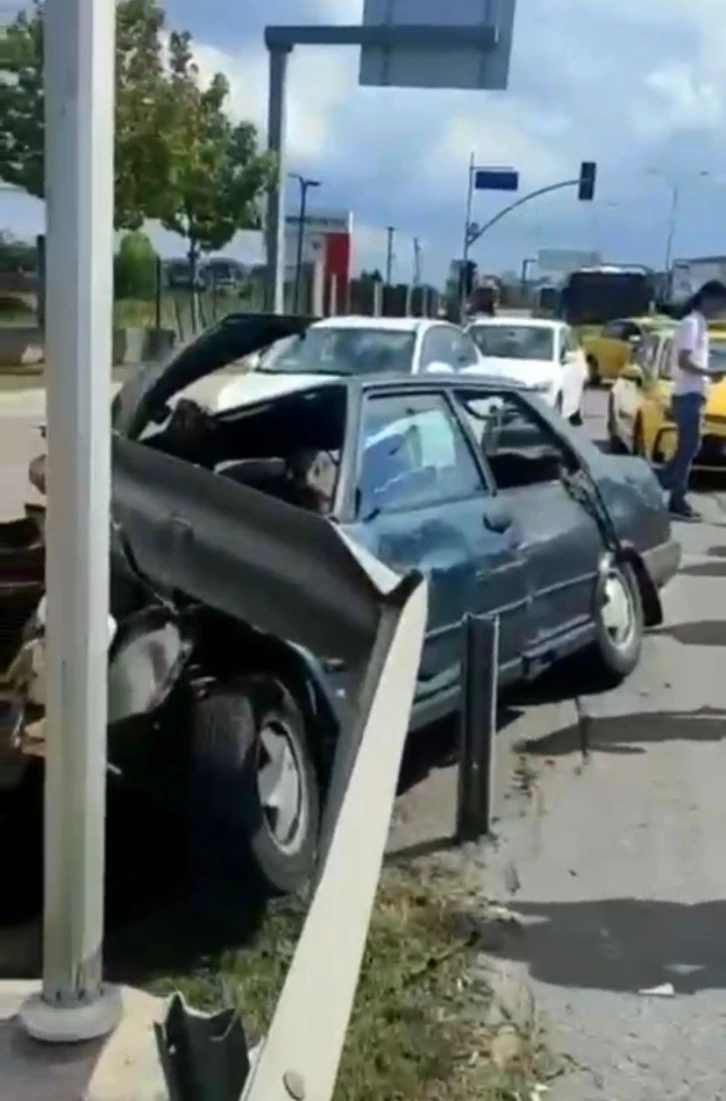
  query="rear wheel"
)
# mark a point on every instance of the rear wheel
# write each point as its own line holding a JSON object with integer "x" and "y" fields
{"x": 253, "y": 799}
{"x": 618, "y": 616}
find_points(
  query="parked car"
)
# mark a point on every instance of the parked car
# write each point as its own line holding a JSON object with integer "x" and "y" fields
{"x": 352, "y": 345}
{"x": 538, "y": 353}
{"x": 639, "y": 416}
{"x": 609, "y": 348}
{"x": 219, "y": 515}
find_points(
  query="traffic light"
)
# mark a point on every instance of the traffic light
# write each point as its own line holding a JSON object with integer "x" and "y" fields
{"x": 468, "y": 277}
{"x": 586, "y": 186}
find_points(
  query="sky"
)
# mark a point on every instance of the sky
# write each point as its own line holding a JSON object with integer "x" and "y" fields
{"x": 640, "y": 88}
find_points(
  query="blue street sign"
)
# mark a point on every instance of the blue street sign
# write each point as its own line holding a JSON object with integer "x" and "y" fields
{"x": 496, "y": 179}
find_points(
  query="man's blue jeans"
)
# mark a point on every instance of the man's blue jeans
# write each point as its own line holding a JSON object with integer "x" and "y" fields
{"x": 687, "y": 409}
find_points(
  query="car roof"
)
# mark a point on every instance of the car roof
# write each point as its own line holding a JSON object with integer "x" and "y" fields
{"x": 362, "y": 321}
{"x": 516, "y": 319}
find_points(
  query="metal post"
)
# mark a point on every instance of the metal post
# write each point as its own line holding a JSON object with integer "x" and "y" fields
{"x": 469, "y": 203}
{"x": 672, "y": 219}
{"x": 79, "y": 128}
{"x": 480, "y": 676}
{"x": 275, "y": 224}
{"x": 391, "y": 232}
{"x": 300, "y": 240}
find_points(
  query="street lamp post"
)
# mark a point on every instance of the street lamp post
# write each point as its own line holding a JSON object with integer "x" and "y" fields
{"x": 675, "y": 189}
{"x": 305, "y": 185}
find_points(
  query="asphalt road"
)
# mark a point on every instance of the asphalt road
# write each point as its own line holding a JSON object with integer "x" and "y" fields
{"x": 617, "y": 863}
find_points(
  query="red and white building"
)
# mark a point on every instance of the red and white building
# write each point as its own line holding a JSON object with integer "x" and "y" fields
{"x": 327, "y": 237}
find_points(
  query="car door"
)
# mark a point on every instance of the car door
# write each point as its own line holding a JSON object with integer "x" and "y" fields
{"x": 627, "y": 394}
{"x": 559, "y": 539}
{"x": 421, "y": 501}
{"x": 655, "y": 397}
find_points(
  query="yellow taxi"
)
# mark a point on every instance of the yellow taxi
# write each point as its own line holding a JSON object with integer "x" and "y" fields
{"x": 639, "y": 415}
{"x": 609, "y": 348}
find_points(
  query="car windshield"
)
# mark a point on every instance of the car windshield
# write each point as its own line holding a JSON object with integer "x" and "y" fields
{"x": 341, "y": 351}
{"x": 514, "y": 341}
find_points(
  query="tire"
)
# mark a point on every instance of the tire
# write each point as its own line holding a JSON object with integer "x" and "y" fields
{"x": 235, "y": 841}
{"x": 594, "y": 371}
{"x": 619, "y": 633}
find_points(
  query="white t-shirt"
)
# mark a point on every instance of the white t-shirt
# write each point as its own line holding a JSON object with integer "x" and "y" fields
{"x": 692, "y": 337}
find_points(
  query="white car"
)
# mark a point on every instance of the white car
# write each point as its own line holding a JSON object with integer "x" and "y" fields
{"x": 350, "y": 345}
{"x": 542, "y": 355}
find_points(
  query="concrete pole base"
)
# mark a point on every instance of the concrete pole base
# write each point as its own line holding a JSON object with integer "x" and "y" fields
{"x": 72, "y": 1024}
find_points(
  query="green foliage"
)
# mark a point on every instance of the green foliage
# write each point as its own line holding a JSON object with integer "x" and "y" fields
{"x": 16, "y": 255}
{"x": 217, "y": 173}
{"x": 140, "y": 163}
{"x": 135, "y": 267}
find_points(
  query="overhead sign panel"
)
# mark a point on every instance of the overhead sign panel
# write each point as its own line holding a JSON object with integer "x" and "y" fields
{"x": 496, "y": 179}
{"x": 480, "y": 62}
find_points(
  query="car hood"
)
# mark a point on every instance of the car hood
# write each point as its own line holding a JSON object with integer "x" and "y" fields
{"x": 144, "y": 396}
{"x": 528, "y": 372}
{"x": 259, "y": 385}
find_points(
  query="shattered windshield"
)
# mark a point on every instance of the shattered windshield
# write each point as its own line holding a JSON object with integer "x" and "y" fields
{"x": 514, "y": 341}
{"x": 341, "y": 351}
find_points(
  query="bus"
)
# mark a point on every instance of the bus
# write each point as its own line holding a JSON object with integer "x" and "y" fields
{"x": 592, "y": 296}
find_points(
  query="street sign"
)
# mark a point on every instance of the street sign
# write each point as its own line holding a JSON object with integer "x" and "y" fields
{"x": 496, "y": 179}
{"x": 482, "y": 63}
{"x": 586, "y": 186}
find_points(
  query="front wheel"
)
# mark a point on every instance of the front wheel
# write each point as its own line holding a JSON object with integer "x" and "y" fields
{"x": 254, "y": 799}
{"x": 619, "y": 622}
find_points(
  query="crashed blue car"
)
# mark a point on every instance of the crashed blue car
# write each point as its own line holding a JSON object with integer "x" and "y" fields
{"x": 506, "y": 509}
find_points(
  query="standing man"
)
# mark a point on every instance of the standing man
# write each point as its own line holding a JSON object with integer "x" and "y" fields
{"x": 691, "y": 377}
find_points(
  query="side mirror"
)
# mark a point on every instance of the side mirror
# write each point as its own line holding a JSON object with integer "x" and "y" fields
{"x": 633, "y": 373}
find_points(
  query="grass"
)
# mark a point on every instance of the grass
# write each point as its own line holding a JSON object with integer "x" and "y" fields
{"x": 419, "y": 1029}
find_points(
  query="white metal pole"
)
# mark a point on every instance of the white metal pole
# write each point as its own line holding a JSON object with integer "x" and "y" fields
{"x": 79, "y": 128}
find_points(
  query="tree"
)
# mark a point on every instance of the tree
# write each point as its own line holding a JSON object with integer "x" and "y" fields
{"x": 141, "y": 168}
{"x": 16, "y": 255}
{"x": 135, "y": 268}
{"x": 217, "y": 172}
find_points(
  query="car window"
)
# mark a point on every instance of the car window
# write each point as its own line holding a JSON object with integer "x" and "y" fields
{"x": 439, "y": 346}
{"x": 465, "y": 351}
{"x": 519, "y": 448}
{"x": 717, "y": 355}
{"x": 413, "y": 454}
{"x": 516, "y": 341}
{"x": 647, "y": 353}
{"x": 614, "y": 330}
{"x": 342, "y": 351}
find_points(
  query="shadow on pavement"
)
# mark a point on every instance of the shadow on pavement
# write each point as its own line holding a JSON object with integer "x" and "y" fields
{"x": 630, "y": 734}
{"x": 708, "y": 632}
{"x": 623, "y": 945}
{"x": 704, "y": 569}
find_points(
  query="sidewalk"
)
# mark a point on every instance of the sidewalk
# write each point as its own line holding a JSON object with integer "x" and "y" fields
{"x": 620, "y": 869}
{"x": 123, "y": 1067}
